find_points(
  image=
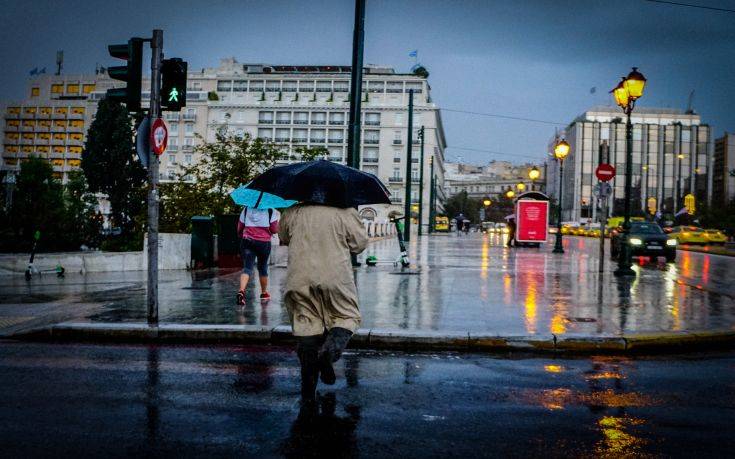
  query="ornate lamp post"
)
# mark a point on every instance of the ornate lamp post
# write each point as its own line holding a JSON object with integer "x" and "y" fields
{"x": 534, "y": 174}
{"x": 521, "y": 187}
{"x": 626, "y": 93}
{"x": 561, "y": 150}
{"x": 510, "y": 193}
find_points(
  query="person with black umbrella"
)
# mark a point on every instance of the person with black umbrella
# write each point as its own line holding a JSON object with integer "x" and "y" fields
{"x": 321, "y": 233}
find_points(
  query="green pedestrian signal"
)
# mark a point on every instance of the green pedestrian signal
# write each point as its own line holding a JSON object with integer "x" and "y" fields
{"x": 173, "y": 84}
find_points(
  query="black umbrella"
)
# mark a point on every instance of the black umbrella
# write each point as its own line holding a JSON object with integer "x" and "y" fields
{"x": 323, "y": 182}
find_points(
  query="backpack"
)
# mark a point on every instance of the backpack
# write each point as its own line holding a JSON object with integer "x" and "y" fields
{"x": 245, "y": 214}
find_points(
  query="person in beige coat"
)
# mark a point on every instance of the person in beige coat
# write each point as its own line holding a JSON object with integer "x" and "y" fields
{"x": 321, "y": 296}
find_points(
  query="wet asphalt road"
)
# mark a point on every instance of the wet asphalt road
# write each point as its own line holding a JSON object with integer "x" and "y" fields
{"x": 93, "y": 400}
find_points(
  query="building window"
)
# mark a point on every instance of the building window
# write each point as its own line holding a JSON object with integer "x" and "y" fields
{"x": 265, "y": 117}
{"x": 341, "y": 86}
{"x": 336, "y": 136}
{"x": 174, "y": 128}
{"x": 372, "y": 137}
{"x": 416, "y": 86}
{"x": 375, "y": 86}
{"x": 399, "y": 119}
{"x": 189, "y": 129}
{"x": 319, "y": 118}
{"x": 35, "y": 92}
{"x": 266, "y": 134}
{"x": 172, "y": 159}
{"x": 317, "y": 136}
{"x": 256, "y": 86}
{"x": 224, "y": 86}
{"x": 323, "y": 86}
{"x": 282, "y": 135}
{"x": 272, "y": 86}
{"x": 299, "y": 136}
{"x": 289, "y": 86}
{"x": 187, "y": 159}
{"x": 306, "y": 86}
{"x": 372, "y": 119}
{"x": 337, "y": 118}
{"x": 72, "y": 88}
{"x": 395, "y": 87}
{"x": 88, "y": 88}
{"x": 370, "y": 155}
{"x": 301, "y": 118}
{"x": 57, "y": 88}
{"x": 283, "y": 117}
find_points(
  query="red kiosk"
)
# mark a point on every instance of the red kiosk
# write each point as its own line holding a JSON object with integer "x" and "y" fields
{"x": 532, "y": 219}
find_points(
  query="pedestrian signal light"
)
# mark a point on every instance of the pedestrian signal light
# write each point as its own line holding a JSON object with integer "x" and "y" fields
{"x": 173, "y": 84}
{"x": 132, "y": 52}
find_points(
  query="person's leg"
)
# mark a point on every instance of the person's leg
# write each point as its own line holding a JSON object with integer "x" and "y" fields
{"x": 331, "y": 351}
{"x": 248, "y": 262}
{"x": 264, "y": 252}
{"x": 307, "y": 349}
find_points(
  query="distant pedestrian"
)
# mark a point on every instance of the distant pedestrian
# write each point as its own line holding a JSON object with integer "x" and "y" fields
{"x": 255, "y": 228}
{"x": 321, "y": 296}
{"x": 511, "y": 232}
{"x": 459, "y": 223}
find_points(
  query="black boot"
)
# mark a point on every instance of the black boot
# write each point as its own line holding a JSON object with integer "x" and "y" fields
{"x": 307, "y": 348}
{"x": 331, "y": 351}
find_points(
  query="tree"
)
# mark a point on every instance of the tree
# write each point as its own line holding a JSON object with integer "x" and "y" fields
{"x": 83, "y": 224}
{"x": 38, "y": 205}
{"x": 462, "y": 203}
{"x": 110, "y": 167}
{"x": 226, "y": 163}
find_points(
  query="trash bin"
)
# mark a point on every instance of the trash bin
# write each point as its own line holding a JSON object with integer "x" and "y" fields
{"x": 202, "y": 242}
{"x": 228, "y": 244}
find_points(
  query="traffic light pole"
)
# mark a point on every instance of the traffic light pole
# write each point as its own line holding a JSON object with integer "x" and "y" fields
{"x": 421, "y": 182}
{"x": 153, "y": 197}
{"x": 353, "y": 132}
{"x": 409, "y": 178}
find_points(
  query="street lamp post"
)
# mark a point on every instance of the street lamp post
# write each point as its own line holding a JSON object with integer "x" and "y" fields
{"x": 626, "y": 93}
{"x": 421, "y": 182}
{"x": 431, "y": 194}
{"x": 534, "y": 174}
{"x": 561, "y": 150}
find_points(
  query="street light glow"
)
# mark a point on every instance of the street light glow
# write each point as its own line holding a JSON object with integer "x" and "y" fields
{"x": 634, "y": 84}
{"x": 510, "y": 193}
{"x": 534, "y": 173}
{"x": 521, "y": 186}
{"x": 486, "y": 202}
{"x": 561, "y": 150}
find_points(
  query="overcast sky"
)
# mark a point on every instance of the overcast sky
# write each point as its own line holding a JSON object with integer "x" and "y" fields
{"x": 529, "y": 59}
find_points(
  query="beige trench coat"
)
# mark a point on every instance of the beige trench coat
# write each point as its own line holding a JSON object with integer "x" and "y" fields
{"x": 320, "y": 287}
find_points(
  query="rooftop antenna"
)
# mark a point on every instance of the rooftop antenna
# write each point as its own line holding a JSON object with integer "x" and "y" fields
{"x": 59, "y": 61}
{"x": 690, "y": 111}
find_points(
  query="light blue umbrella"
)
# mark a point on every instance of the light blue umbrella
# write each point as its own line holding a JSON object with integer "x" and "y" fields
{"x": 258, "y": 199}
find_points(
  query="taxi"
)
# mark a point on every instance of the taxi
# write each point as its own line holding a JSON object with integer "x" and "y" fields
{"x": 688, "y": 235}
{"x": 715, "y": 236}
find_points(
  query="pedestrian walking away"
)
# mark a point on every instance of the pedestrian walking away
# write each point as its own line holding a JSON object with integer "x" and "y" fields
{"x": 321, "y": 296}
{"x": 511, "y": 232}
{"x": 255, "y": 228}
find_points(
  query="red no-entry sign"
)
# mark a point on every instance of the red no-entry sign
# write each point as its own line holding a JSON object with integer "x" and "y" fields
{"x": 605, "y": 172}
{"x": 159, "y": 136}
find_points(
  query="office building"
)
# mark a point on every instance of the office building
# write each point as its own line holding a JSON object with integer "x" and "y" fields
{"x": 723, "y": 171}
{"x": 671, "y": 157}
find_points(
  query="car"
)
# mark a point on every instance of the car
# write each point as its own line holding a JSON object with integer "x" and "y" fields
{"x": 715, "y": 236}
{"x": 502, "y": 228}
{"x": 593, "y": 232}
{"x": 689, "y": 235}
{"x": 645, "y": 239}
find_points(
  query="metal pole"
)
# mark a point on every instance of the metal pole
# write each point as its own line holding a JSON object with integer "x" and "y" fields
{"x": 409, "y": 150}
{"x": 421, "y": 182}
{"x": 155, "y": 112}
{"x": 604, "y": 154}
{"x": 353, "y": 132}
{"x": 624, "y": 260}
{"x": 431, "y": 194}
{"x": 558, "y": 247}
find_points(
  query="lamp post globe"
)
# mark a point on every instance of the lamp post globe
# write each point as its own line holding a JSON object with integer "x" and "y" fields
{"x": 534, "y": 173}
{"x": 486, "y": 202}
{"x": 635, "y": 83}
{"x": 521, "y": 186}
{"x": 561, "y": 150}
{"x": 510, "y": 193}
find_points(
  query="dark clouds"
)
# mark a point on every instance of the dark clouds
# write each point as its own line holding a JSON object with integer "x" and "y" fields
{"x": 534, "y": 59}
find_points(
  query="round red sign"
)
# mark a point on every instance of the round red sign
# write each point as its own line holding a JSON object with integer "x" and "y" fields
{"x": 605, "y": 172}
{"x": 159, "y": 136}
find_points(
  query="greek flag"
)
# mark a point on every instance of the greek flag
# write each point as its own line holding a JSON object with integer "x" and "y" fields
{"x": 413, "y": 53}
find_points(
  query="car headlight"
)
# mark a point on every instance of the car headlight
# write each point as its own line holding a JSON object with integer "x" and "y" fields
{"x": 671, "y": 242}
{"x": 635, "y": 241}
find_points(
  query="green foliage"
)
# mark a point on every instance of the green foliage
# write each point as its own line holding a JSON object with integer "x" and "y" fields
{"x": 110, "y": 167}
{"x": 63, "y": 214}
{"x": 212, "y": 95}
{"x": 717, "y": 216}
{"x": 462, "y": 203}
{"x": 421, "y": 71}
{"x": 223, "y": 165}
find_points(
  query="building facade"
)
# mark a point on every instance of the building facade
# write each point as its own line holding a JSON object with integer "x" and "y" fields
{"x": 491, "y": 180}
{"x": 723, "y": 170}
{"x": 294, "y": 106}
{"x": 672, "y": 157}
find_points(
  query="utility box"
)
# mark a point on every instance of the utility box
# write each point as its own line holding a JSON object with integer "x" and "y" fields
{"x": 228, "y": 244}
{"x": 202, "y": 242}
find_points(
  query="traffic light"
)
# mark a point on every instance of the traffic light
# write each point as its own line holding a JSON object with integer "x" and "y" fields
{"x": 173, "y": 84}
{"x": 132, "y": 52}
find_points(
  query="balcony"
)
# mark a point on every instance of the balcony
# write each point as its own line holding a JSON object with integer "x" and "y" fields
{"x": 395, "y": 179}
{"x": 289, "y": 89}
{"x": 282, "y": 139}
{"x": 171, "y": 116}
{"x": 28, "y": 127}
{"x": 372, "y": 122}
{"x": 12, "y": 116}
{"x": 397, "y": 141}
{"x": 9, "y": 127}
{"x": 369, "y": 160}
{"x": 341, "y": 89}
{"x": 318, "y": 140}
{"x": 300, "y": 121}
{"x": 415, "y": 141}
{"x": 338, "y": 140}
{"x": 43, "y": 116}
{"x": 335, "y": 159}
{"x": 299, "y": 140}
{"x": 39, "y": 141}
{"x": 323, "y": 89}
{"x": 394, "y": 90}
{"x": 172, "y": 148}
{"x": 336, "y": 122}
{"x": 283, "y": 121}
{"x": 371, "y": 141}
{"x": 415, "y": 179}
{"x": 320, "y": 122}
{"x": 396, "y": 200}
{"x": 189, "y": 116}
{"x": 75, "y": 143}
{"x": 265, "y": 120}
{"x": 187, "y": 147}
{"x": 76, "y": 116}
{"x": 272, "y": 89}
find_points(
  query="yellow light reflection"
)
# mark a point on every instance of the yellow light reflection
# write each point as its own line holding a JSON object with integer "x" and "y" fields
{"x": 556, "y": 399}
{"x": 531, "y": 308}
{"x": 617, "y": 442}
{"x": 485, "y": 260}
{"x": 553, "y": 368}
{"x": 507, "y": 288}
{"x": 558, "y": 324}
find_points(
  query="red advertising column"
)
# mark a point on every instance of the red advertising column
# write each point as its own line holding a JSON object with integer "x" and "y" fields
{"x": 532, "y": 220}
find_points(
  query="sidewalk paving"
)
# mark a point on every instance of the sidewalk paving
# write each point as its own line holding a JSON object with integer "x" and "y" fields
{"x": 460, "y": 286}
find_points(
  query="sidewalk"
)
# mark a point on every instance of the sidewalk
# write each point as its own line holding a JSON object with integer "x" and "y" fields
{"x": 465, "y": 291}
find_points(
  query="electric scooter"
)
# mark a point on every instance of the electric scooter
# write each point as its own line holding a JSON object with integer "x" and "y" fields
{"x": 403, "y": 257}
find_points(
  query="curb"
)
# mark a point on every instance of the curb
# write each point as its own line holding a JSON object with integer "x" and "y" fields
{"x": 399, "y": 339}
